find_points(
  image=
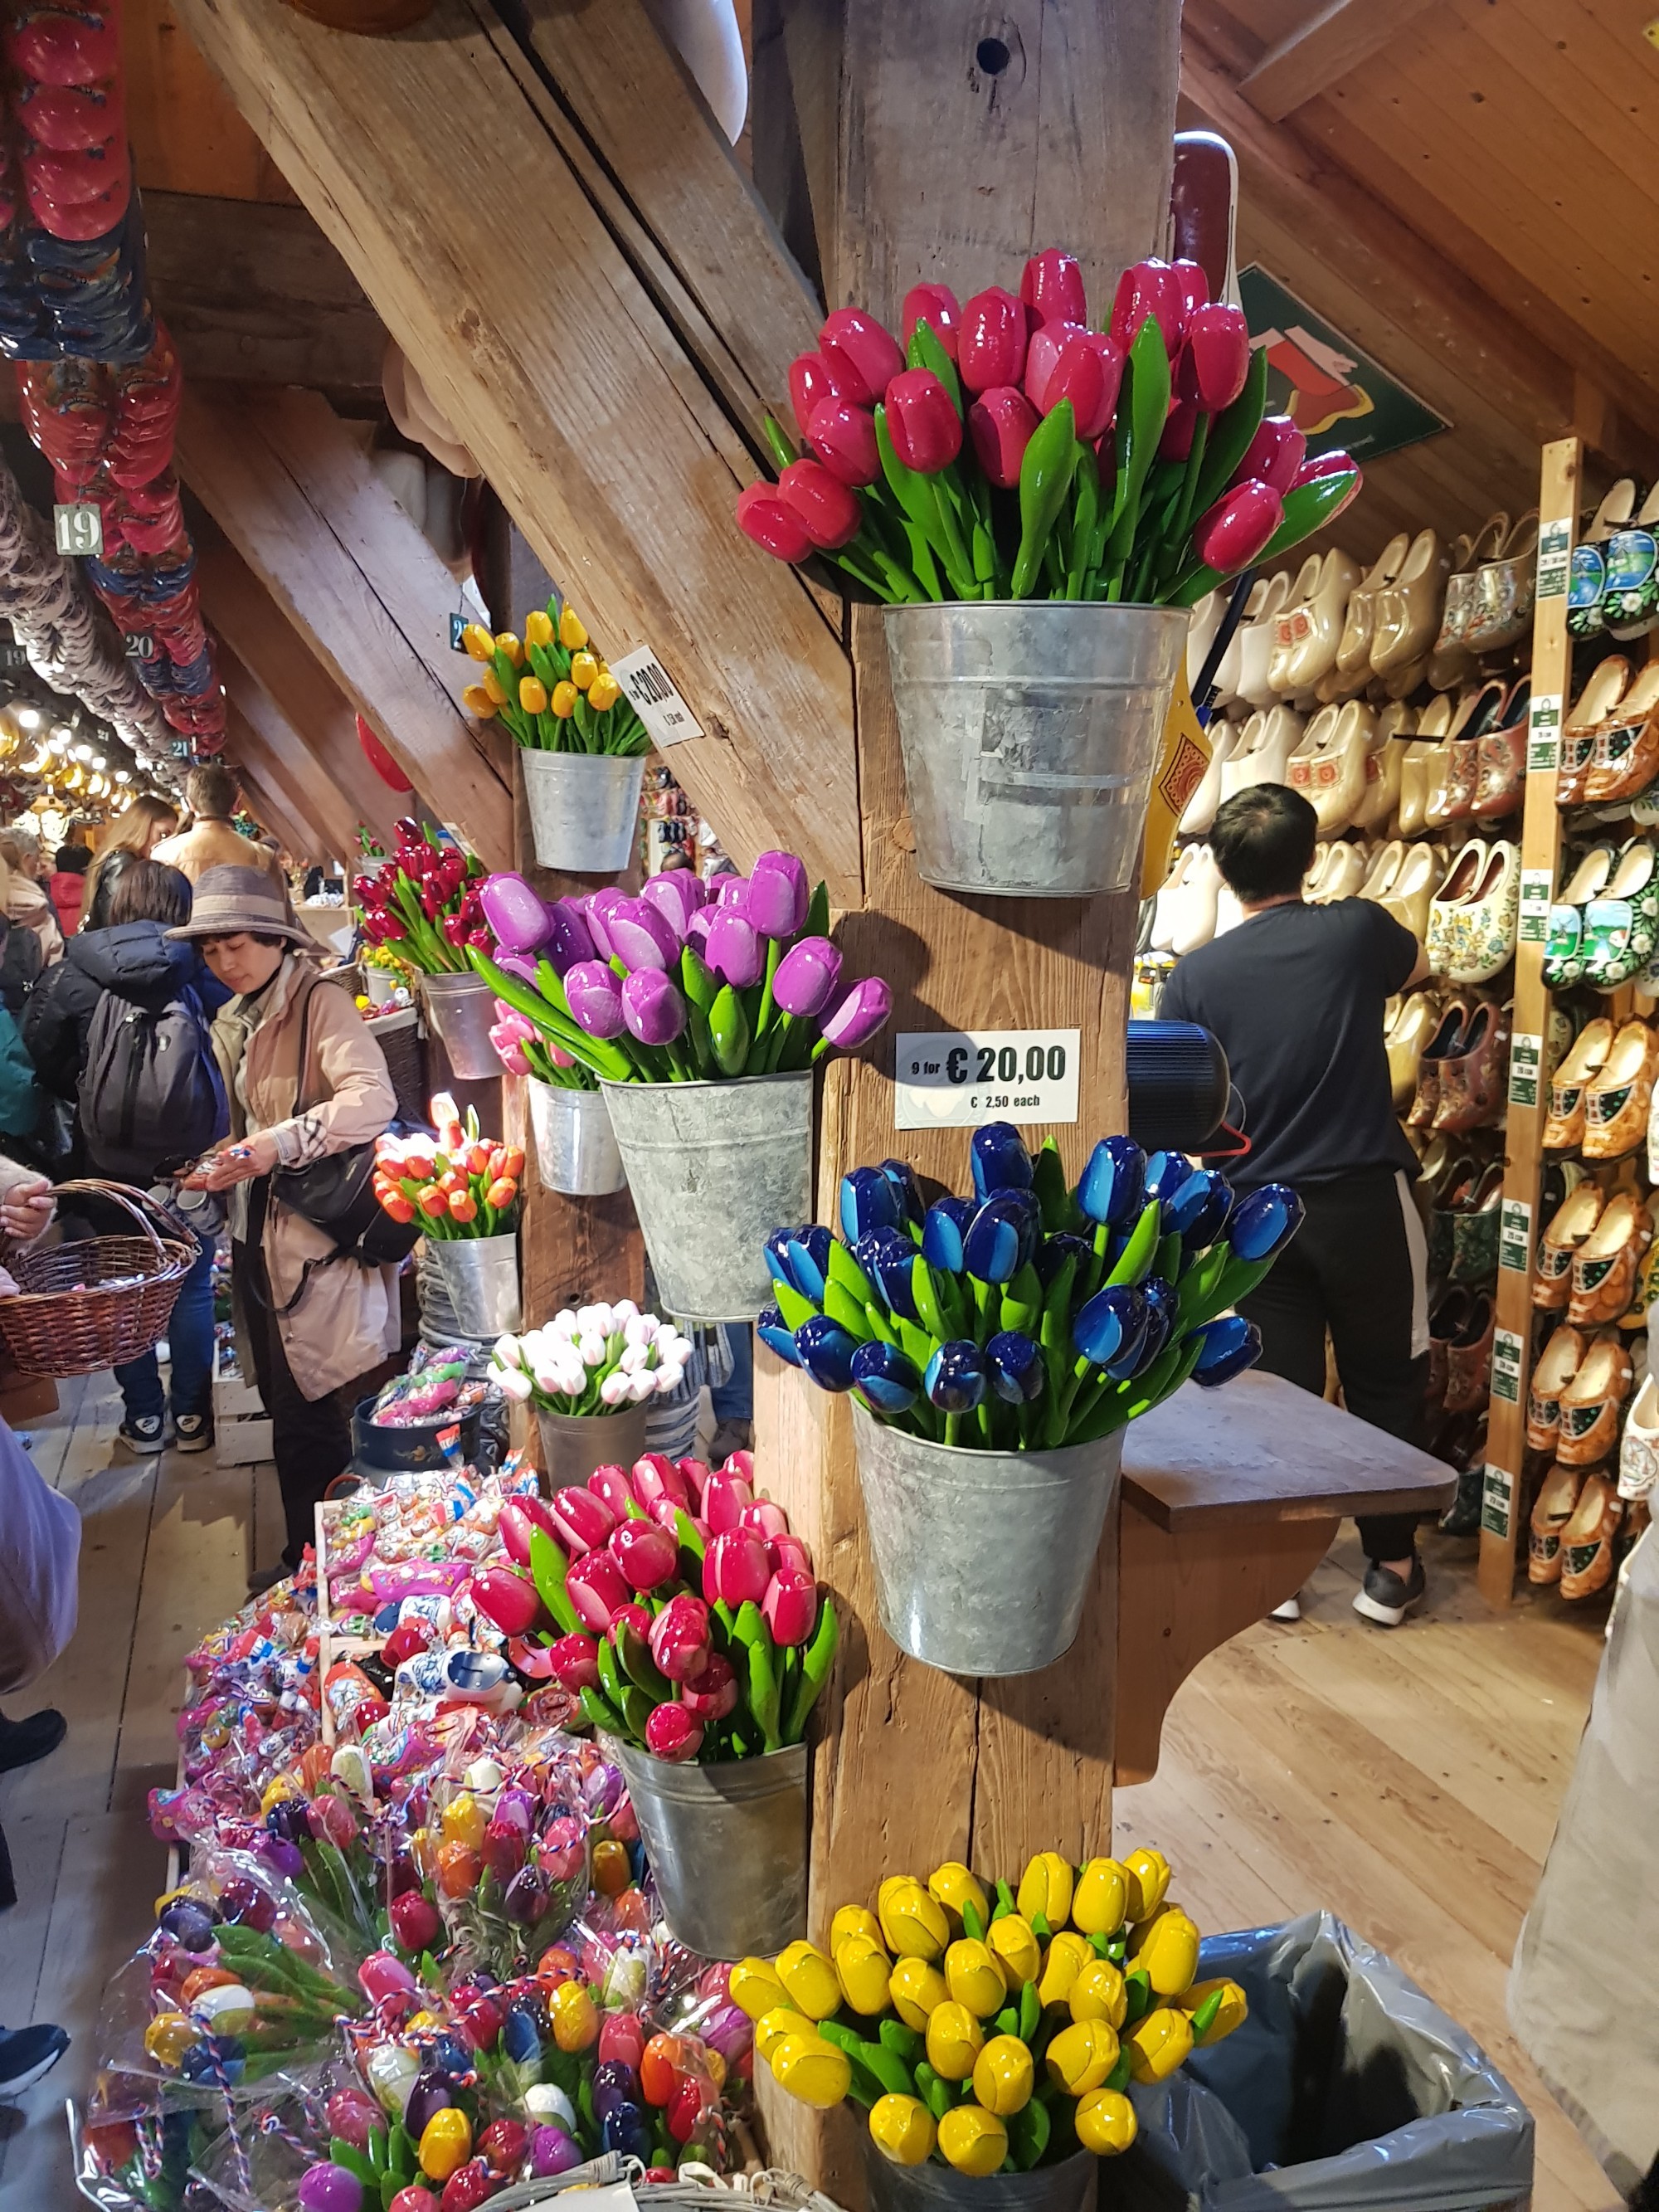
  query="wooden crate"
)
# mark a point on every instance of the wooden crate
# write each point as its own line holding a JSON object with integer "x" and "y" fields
{"x": 241, "y": 1427}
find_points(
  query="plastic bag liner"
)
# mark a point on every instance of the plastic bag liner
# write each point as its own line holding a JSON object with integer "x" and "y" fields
{"x": 1345, "y": 2088}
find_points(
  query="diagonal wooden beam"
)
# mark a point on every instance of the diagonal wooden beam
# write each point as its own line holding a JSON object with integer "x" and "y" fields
{"x": 272, "y": 815}
{"x": 569, "y": 382}
{"x": 304, "y": 760}
{"x": 311, "y": 805}
{"x": 284, "y": 481}
{"x": 1336, "y": 38}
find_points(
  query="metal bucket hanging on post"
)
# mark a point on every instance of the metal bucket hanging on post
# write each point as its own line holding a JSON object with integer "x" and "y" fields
{"x": 584, "y": 808}
{"x": 1031, "y": 731}
{"x": 714, "y": 1168}
{"x": 983, "y": 1558}
{"x": 573, "y": 1444}
{"x": 461, "y": 1007}
{"x": 1071, "y": 2186}
{"x": 727, "y": 1847}
{"x": 481, "y": 1274}
{"x": 575, "y": 1145}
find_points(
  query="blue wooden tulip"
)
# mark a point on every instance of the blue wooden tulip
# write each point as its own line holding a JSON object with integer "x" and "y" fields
{"x": 1167, "y": 1173}
{"x": 1162, "y": 1306}
{"x": 1017, "y": 1373}
{"x": 1051, "y": 1254}
{"x": 770, "y": 1325}
{"x": 906, "y": 1189}
{"x": 1230, "y": 1345}
{"x": 1184, "y": 1203}
{"x": 942, "y": 1233}
{"x": 1111, "y": 1326}
{"x": 776, "y": 1252}
{"x": 887, "y": 1257}
{"x": 1002, "y": 1236}
{"x": 520, "y": 2040}
{"x": 1110, "y": 1189}
{"x": 955, "y": 1381}
{"x": 1205, "y": 1220}
{"x": 1264, "y": 1221}
{"x": 868, "y": 1200}
{"x": 887, "y": 1382}
{"x": 825, "y": 1351}
{"x": 807, "y": 1265}
{"x": 625, "y": 2129}
{"x": 1000, "y": 1159}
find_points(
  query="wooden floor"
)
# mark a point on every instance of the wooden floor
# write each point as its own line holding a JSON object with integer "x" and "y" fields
{"x": 1409, "y": 1781}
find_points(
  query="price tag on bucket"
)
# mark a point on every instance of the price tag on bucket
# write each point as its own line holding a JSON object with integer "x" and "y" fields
{"x": 957, "y": 1079}
{"x": 655, "y": 698}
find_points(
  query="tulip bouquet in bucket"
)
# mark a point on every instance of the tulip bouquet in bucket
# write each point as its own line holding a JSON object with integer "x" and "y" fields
{"x": 1010, "y": 451}
{"x": 550, "y": 690}
{"x": 995, "y": 1348}
{"x": 598, "y": 1359}
{"x": 423, "y": 903}
{"x": 991, "y": 2030}
{"x": 455, "y": 1183}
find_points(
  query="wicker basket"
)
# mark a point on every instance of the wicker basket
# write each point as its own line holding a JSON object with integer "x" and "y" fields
{"x": 66, "y": 1322}
{"x": 399, "y": 1036}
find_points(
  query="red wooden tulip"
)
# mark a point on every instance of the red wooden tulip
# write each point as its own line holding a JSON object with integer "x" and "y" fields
{"x": 1178, "y": 440}
{"x": 812, "y": 378}
{"x": 772, "y": 523}
{"x": 508, "y": 1597}
{"x": 679, "y": 1639}
{"x": 861, "y": 352}
{"x": 1273, "y": 455}
{"x": 936, "y": 306}
{"x": 1000, "y": 422}
{"x": 1051, "y": 288}
{"x": 415, "y": 1923}
{"x": 581, "y": 1520}
{"x": 577, "y": 1662}
{"x": 1148, "y": 288}
{"x": 1337, "y": 464}
{"x": 714, "y": 1693}
{"x": 828, "y": 509}
{"x": 673, "y": 1734}
{"x": 791, "y": 1606}
{"x": 647, "y": 1555}
{"x": 843, "y": 437}
{"x": 1235, "y": 530}
{"x": 922, "y": 423}
{"x": 991, "y": 343}
{"x": 1216, "y": 359}
{"x": 1065, "y": 362}
{"x": 1193, "y": 286}
{"x": 656, "y": 1476}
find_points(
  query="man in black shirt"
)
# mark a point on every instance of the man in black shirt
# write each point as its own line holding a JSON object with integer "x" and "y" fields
{"x": 1296, "y": 995}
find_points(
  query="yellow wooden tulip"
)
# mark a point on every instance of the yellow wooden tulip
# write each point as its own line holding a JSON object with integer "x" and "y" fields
{"x": 755, "y": 1986}
{"x": 953, "y": 1886}
{"x": 563, "y": 700}
{"x": 507, "y": 643}
{"x": 1004, "y": 2076}
{"x": 1098, "y": 1993}
{"x": 1081, "y": 2056}
{"x": 1231, "y": 2011}
{"x": 494, "y": 689}
{"x": 1159, "y": 2043}
{"x": 1068, "y": 1954}
{"x": 572, "y": 635}
{"x": 446, "y": 2143}
{"x": 902, "y": 2130}
{"x": 974, "y": 1978}
{"x": 1105, "y": 2122}
{"x": 1167, "y": 1952}
{"x": 478, "y": 642}
{"x": 1149, "y": 1881}
{"x": 810, "y": 1979}
{"x": 914, "y": 1922}
{"x": 811, "y": 2069}
{"x": 584, "y": 667}
{"x": 533, "y": 695}
{"x": 1013, "y": 1943}
{"x": 772, "y": 2026}
{"x": 853, "y": 1920}
{"x": 538, "y": 628}
{"x": 916, "y": 1989}
{"x": 1100, "y": 1903}
{"x": 603, "y": 692}
{"x": 954, "y": 2041}
{"x": 474, "y": 697}
{"x": 864, "y": 1971}
{"x": 973, "y": 2141}
{"x": 1045, "y": 1888}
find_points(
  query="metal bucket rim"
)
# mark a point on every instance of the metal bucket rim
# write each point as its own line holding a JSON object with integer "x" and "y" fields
{"x": 742, "y": 1781}
{"x": 579, "y": 1421}
{"x": 451, "y": 982}
{"x": 950, "y": 612}
{"x": 731, "y": 1083}
{"x": 964, "y": 1460}
{"x": 543, "y": 756}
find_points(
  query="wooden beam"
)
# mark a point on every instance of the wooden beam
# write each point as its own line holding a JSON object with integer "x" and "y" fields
{"x": 1336, "y": 38}
{"x": 295, "y": 494}
{"x": 308, "y": 771}
{"x": 563, "y": 376}
{"x": 252, "y": 289}
{"x": 312, "y": 805}
{"x": 272, "y": 815}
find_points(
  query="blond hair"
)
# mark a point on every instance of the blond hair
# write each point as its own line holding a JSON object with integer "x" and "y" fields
{"x": 134, "y": 831}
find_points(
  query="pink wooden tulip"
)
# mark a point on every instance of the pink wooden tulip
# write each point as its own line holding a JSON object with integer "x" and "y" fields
{"x": 812, "y": 378}
{"x": 583, "y": 1521}
{"x": 1000, "y": 422}
{"x": 1216, "y": 359}
{"x": 990, "y": 343}
{"x": 789, "y": 1551}
{"x": 647, "y": 1555}
{"x": 596, "y": 1590}
{"x": 1051, "y": 288}
{"x": 576, "y": 1662}
{"x": 508, "y": 1597}
{"x": 936, "y": 306}
{"x": 843, "y": 437}
{"x": 679, "y": 1637}
{"x": 1273, "y": 455}
{"x": 791, "y": 1606}
{"x": 1065, "y": 362}
{"x": 861, "y": 352}
{"x": 773, "y": 524}
{"x": 923, "y": 422}
{"x": 674, "y": 1733}
{"x": 655, "y": 1476}
{"x": 766, "y": 1519}
{"x": 736, "y": 1569}
{"x": 714, "y": 1693}
{"x": 827, "y": 509}
{"x": 1148, "y": 288}
{"x": 1233, "y": 531}
{"x": 611, "y": 1483}
{"x": 724, "y": 1496}
{"x": 1193, "y": 287}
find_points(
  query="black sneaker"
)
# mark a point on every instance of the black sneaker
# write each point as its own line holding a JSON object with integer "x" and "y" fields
{"x": 1462, "y": 1516}
{"x": 1385, "y": 1598}
{"x": 22, "y": 1742}
{"x": 192, "y": 1432}
{"x": 144, "y": 1432}
{"x": 27, "y": 2053}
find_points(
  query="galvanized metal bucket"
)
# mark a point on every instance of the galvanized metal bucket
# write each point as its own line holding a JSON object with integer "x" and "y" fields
{"x": 727, "y": 1845}
{"x": 1031, "y": 730}
{"x": 1071, "y": 2186}
{"x": 983, "y": 1558}
{"x": 575, "y": 1146}
{"x": 584, "y": 808}
{"x": 573, "y": 1444}
{"x": 714, "y": 1168}
{"x": 481, "y": 1274}
{"x": 461, "y": 1008}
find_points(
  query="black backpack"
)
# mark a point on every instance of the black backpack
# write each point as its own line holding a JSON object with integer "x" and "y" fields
{"x": 151, "y": 1098}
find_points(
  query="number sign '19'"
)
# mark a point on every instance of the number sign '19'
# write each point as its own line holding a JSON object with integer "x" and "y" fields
{"x": 957, "y": 1079}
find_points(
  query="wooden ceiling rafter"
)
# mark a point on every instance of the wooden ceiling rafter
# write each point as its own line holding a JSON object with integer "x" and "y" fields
{"x": 1336, "y": 38}
{"x": 270, "y": 814}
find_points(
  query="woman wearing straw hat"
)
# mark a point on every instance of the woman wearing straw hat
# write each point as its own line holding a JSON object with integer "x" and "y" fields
{"x": 317, "y": 1324}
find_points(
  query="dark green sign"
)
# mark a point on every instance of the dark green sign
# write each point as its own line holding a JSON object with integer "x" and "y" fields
{"x": 1337, "y": 395}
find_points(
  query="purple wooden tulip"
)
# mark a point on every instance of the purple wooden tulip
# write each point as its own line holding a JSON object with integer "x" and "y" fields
{"x": 519, "y": 918}
{"x": 570, "y": 939}
{"x": 641, "y": 936}
{"x": 859, "y": 1016}
{"x": 651, "y": 1007}
{"x": 778, "y": 894}
{"x": 552, "y": 2151}
{"x": 732, "y": 890}
{"x": 595, "y": 999}
{"x": 595, "y": 923}
{"x": 519, "y": 964}
{"x": 697, "y": 929}
{"x": 676, "y": 898}
{"x": 733, "y": 949}
{"x": 600, "y": 908}
{"x": 807, "y": 975}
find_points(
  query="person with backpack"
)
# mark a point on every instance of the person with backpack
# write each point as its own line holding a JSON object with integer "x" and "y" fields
{"x": 150, "y": 1100}
{"x": 316, "y": 1294}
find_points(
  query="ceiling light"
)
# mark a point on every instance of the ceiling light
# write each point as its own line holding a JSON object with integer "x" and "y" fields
{"x": 29, "y": 718}
{"x": 124, "y": 775}
{"x": 83, "y": 752}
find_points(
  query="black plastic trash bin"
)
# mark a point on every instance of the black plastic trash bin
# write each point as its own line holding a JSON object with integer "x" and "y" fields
{"x": 1346, "y": 2090}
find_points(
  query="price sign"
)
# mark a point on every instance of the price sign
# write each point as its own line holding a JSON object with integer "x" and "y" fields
{"x": 80, "y": 530}
{"x": 1506, "y": 1365}
{"x": 655, "y": 699}
{"x": 1553, "y": 559}
{"x": 1536, "y": 885}
{"x": 1544, "y": 734}
{"x": 957, "y": 1079}
{"x": 1497, "y": 1499}
{"x": 139, "y": 645}
{"x": 180, "y": 748}
{"x": 1526, "y": 1057}
{"x": 1514, "y": 1235}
